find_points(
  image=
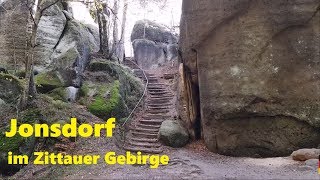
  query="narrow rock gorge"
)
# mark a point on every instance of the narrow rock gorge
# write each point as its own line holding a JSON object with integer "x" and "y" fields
{"x": 229, "y": 91}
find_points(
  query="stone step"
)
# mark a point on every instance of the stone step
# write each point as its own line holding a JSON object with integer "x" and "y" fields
{"x": 168, "y": 76}
{"x": 152, "y": 111}
{"x": 159, "y": 101}
{"x": 162, "y": 96}
{"x": 155, "y": 87}
{"x": 151, "y": 80}
{"x": 139, "y": 71}
{"x": 145, "y": 150}
{"x": 159, "y": 104}
{"x": 158, "y": 108}
{"x": 155, "y": 117}
{"x": 157, "y": 90}
{"x": 160, "y": 93}
{"x": 143, "y": 140}
{"x": 157, "y": 84}
{"x": 144, "y": 144}
{"x": 148, "y": 126}
{"x": 152, "y": 122}
{"x": 145, "y": 135}
{"x": 145, "y": 130}
{"x": 151, "y": 86}
{"x": 149, "y": 76}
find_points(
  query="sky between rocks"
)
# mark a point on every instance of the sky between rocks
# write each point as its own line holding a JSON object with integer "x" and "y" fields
{"x": 167, "y": 13}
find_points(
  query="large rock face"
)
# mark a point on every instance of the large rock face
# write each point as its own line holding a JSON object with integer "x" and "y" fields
{"x": 255, "y": 65}
{"x": 63, "y": 43}
{"x": 153, "y": 44}
{"x": 50, "y": 30}
{"x": 13, "y": 22}
{"x": 11, "y": 89}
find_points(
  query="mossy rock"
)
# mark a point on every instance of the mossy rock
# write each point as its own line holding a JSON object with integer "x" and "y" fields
{"x": 106, "y": 107}
{"x": 67, "y": 58}
{"x": 48, "y": 81}
{"x": 11, "y": 88}
{"x": 131, "y": 88}
{"x": 112, "y": 68}
{"x": 20, "y": 74}
{"x": 59, "y": 94}
{"x": 17, "y": 145}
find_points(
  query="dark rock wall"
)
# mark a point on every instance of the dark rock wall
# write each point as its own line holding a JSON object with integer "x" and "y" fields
{"x": 255, "y": 64}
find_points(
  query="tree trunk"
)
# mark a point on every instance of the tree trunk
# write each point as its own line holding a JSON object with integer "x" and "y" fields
{"x": 105, "y": 35}
{"x": 121, "y": 47}
{"x": 29, "y": 91}
{"x": 115, "y": 28}
{"x": 100, "y": 26}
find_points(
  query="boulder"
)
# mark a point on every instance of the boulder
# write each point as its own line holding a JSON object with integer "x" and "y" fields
{"x": 252, "y": 68}
{"x": 145, "y": 29}
{"x": 109, "y": 89}
{"x": 51, "y": 26}
{"x": 305, "y": 154}
{"x": 153, "y": 44}
{"x": 65, "y": 94}
{"x": 13, "y": 20}
{"x": 71, "y": 55}
{"x": 173, "y": 134}
{"x": 148, "y": 54}
{"x": 48, "y": 81}
{"x": 11, "y": 88}
{"x": 171, "y": 52}
{"x": 63, "y": 43}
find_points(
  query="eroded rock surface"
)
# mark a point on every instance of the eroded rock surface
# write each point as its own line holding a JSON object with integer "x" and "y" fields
{"x": 63, "y": 43}
{"x": 305, "y": 154}
{"x": 153, "y": 44}
{"x": 255, "y": 65}
{"x": 173, "y": 134}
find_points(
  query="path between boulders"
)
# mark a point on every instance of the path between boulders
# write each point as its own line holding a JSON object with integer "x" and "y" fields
{"x": 191, "y": 162}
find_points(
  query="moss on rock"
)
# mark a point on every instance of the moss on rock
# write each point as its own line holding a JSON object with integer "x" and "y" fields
{"x": 59, "y": 94}
{"x": 16, "y": 144}
{"x": 48, "y": 81}
{"x": 110, "y": 106}
{"x": 11, "y": 88}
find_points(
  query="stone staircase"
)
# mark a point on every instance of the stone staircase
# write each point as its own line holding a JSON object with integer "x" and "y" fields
{"x": 143, "y": 135}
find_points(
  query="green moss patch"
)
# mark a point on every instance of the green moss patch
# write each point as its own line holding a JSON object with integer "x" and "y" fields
{"x": 48, "y": 81}
{"x": 106, "y": 107}
{"x": 59, "y": 94}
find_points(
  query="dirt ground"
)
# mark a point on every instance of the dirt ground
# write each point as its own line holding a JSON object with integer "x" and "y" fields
{"x": 191, "y": 162}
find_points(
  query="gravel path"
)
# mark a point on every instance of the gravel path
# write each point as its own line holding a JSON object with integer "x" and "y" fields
{"x": 186, "y": 163}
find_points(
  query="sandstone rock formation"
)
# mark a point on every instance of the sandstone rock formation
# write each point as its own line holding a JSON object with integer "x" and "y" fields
{"x": 305, "y": 154}
{"x": 153, "y": 44}
{"x": 110, "y": 90}
{"x": 10, "y": 90}
{"x": 13, "y": 22}
{"x": 252, "y": 67}
{"x": 63, "y": 43}
{"x": 173, "y": 134}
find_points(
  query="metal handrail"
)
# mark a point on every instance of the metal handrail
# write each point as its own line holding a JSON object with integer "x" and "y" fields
{"x": 144, "y": 93}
